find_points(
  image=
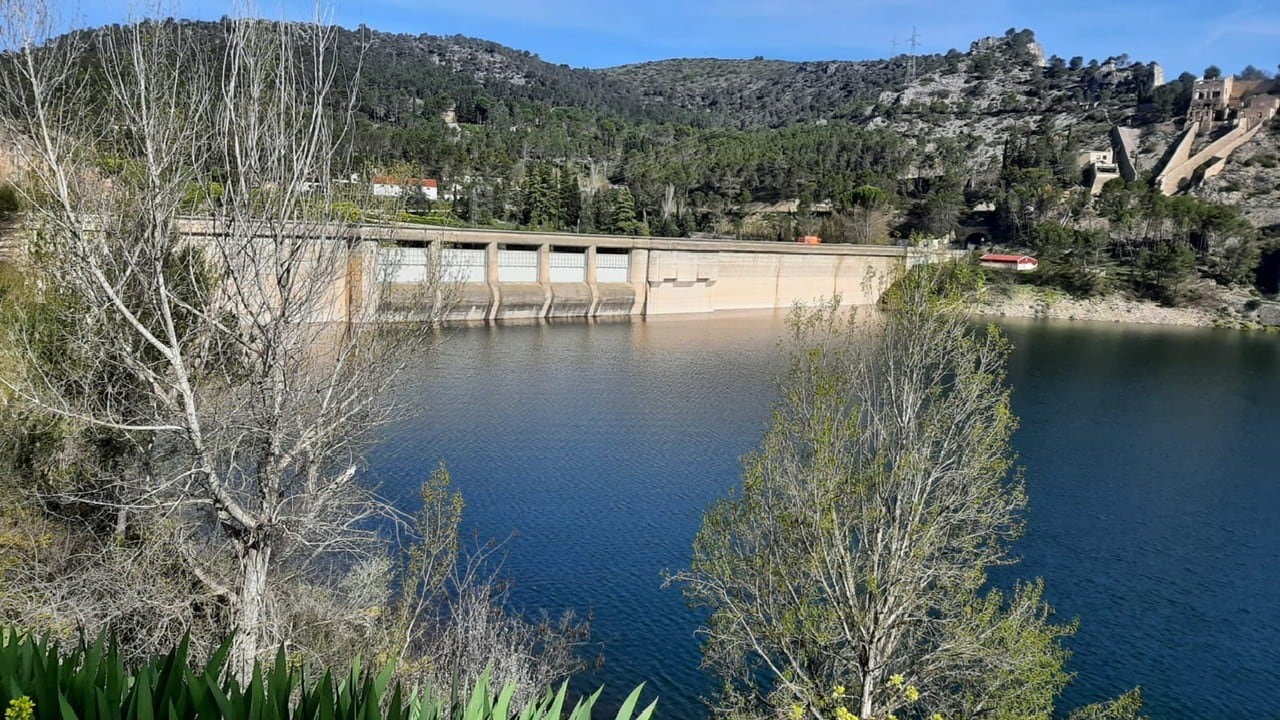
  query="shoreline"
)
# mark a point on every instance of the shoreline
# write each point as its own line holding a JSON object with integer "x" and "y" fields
{"x": 1032, "y": 302}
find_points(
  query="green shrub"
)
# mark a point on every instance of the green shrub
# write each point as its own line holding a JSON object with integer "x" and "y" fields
{"x": 38, "y": 681}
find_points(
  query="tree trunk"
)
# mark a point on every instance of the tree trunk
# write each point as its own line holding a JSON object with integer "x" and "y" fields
{"x": 250, "y": 609}
{"x": 867, "y": 705}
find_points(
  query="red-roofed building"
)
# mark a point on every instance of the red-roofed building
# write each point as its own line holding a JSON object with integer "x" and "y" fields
{"x": 1024, "y": 263}
{"x": 387, "y": 186}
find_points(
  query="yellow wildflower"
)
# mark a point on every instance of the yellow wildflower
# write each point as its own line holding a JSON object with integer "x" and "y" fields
{"x": 936, "y": 716}
{"x": 20, "y": 708}
{"x": 842, "y": 713}
{"x": 912, "y": 693}
{"x": 797, "y": 712}
{"x": 838, "y": 692}
{"x": 896, "y": 680}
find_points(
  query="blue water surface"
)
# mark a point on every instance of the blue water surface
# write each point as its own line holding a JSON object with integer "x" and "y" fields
{"x": 1150, "y": 458}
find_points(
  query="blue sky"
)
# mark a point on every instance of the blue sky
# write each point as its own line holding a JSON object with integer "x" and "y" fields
{"x": 1179, "y": 34}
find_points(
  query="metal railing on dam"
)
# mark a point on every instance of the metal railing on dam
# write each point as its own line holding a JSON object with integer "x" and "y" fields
{"x": 506, "y": 275}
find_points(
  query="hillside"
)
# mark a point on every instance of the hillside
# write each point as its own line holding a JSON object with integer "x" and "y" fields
{"x": 406, "y": 76}
{"x": 767, "y": 93}
{"x": 977, "y": 97}
{"x": 980, "y": 144}
{"x": 768, "y": 149}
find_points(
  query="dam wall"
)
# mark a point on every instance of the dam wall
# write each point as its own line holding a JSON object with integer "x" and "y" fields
{"x": 499, "y": 276}
{"x": 419, "y": 273}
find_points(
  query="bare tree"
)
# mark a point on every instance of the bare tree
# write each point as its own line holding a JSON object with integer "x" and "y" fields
{"x": 669, "y": 206}
{"x": 452, "y": 622}
{"x": 241, "y": 360}
{"x": 846, "y": 574}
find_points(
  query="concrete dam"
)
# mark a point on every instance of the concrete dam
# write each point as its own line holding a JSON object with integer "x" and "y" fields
{"x": 527, "y": 276}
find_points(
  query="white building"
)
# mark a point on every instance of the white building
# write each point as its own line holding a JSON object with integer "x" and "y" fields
{"x": 386, "y": 186}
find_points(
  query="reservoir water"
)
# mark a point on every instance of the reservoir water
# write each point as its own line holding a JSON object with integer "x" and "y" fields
{"x": 1150, "y": 455}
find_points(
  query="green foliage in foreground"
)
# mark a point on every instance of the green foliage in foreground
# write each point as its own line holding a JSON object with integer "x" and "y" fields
{"x": 39, "y": 681}
{"x": 1125, "y": 707}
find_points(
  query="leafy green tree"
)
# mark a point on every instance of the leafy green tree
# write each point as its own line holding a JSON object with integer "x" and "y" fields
{"x": 1069, "y": 259}
{"x": 868, "y": 203}
{"x": 1026, "y": 199}
{"x": 1252, "y": 73}
{"x": 846, "y": 574}
{"x": 1162, "y": 271}
{"x": 943, "y": 204}
{"x": 570, "y": 199}
{"x": 540, "y": 203}
{"x": 1213, "y": 72}
{"x": 1057, "y": 67}
{"x": 622, "y": 212}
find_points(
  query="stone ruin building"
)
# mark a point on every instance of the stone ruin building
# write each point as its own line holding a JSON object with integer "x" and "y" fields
{"x": 1225, "y": 113}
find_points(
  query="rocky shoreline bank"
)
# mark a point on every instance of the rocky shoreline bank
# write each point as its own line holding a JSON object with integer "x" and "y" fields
{"x": 1034, "y": 302}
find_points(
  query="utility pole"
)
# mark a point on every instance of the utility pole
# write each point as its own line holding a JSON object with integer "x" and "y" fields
{"x": 911, "y": 58}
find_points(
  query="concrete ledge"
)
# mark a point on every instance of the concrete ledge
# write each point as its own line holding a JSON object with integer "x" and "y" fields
{"x": 569, "y": 300}
{"x": 521, "y": 301}
{"x": 474, "y": 302}
{"x": 615, "y": 300}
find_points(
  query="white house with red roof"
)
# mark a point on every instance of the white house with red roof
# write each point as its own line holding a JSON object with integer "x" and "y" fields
{"x": 1022, "y": 263}
{"x": 388, "y": 186}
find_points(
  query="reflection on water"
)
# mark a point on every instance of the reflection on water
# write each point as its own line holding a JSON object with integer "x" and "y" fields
{"x": 1149, "y": 455}
{"x": 1155, "y": 508}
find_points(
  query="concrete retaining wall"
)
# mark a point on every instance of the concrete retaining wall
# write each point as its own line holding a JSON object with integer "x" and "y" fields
{"x": 570, "y": 300}
{"x": 1173, "y": 176}
{"x": 527, "y": 276}
{"x": 614, "y": 300}
{"x": 493, "y": 276}
{"x": 471, "y": 302}
{"x": 1124, "y": 145}
{"x": 755, "y": 281}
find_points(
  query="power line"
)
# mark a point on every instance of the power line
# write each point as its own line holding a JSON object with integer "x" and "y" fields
{"x": 911, "y": 59}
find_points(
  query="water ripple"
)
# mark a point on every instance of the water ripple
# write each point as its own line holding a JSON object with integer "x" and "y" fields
{"x": 1154, "y": 503}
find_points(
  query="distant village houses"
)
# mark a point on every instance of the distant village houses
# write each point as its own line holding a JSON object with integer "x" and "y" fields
{"x": 387, "y": 186}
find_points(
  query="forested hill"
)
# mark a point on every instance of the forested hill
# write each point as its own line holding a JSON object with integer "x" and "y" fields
{"x": 438, "y": 103}
{"x": 412, "y": 84}
{"x": 407, "y": 76}
{"x": 771, "y": 93}
{"x": 864, "y": 151}
{"x": 855, "y": 151}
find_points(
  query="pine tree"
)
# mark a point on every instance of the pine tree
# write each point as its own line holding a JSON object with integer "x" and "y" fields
{"x": 622, "y": 220}
{"x": 570, "y": 199}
